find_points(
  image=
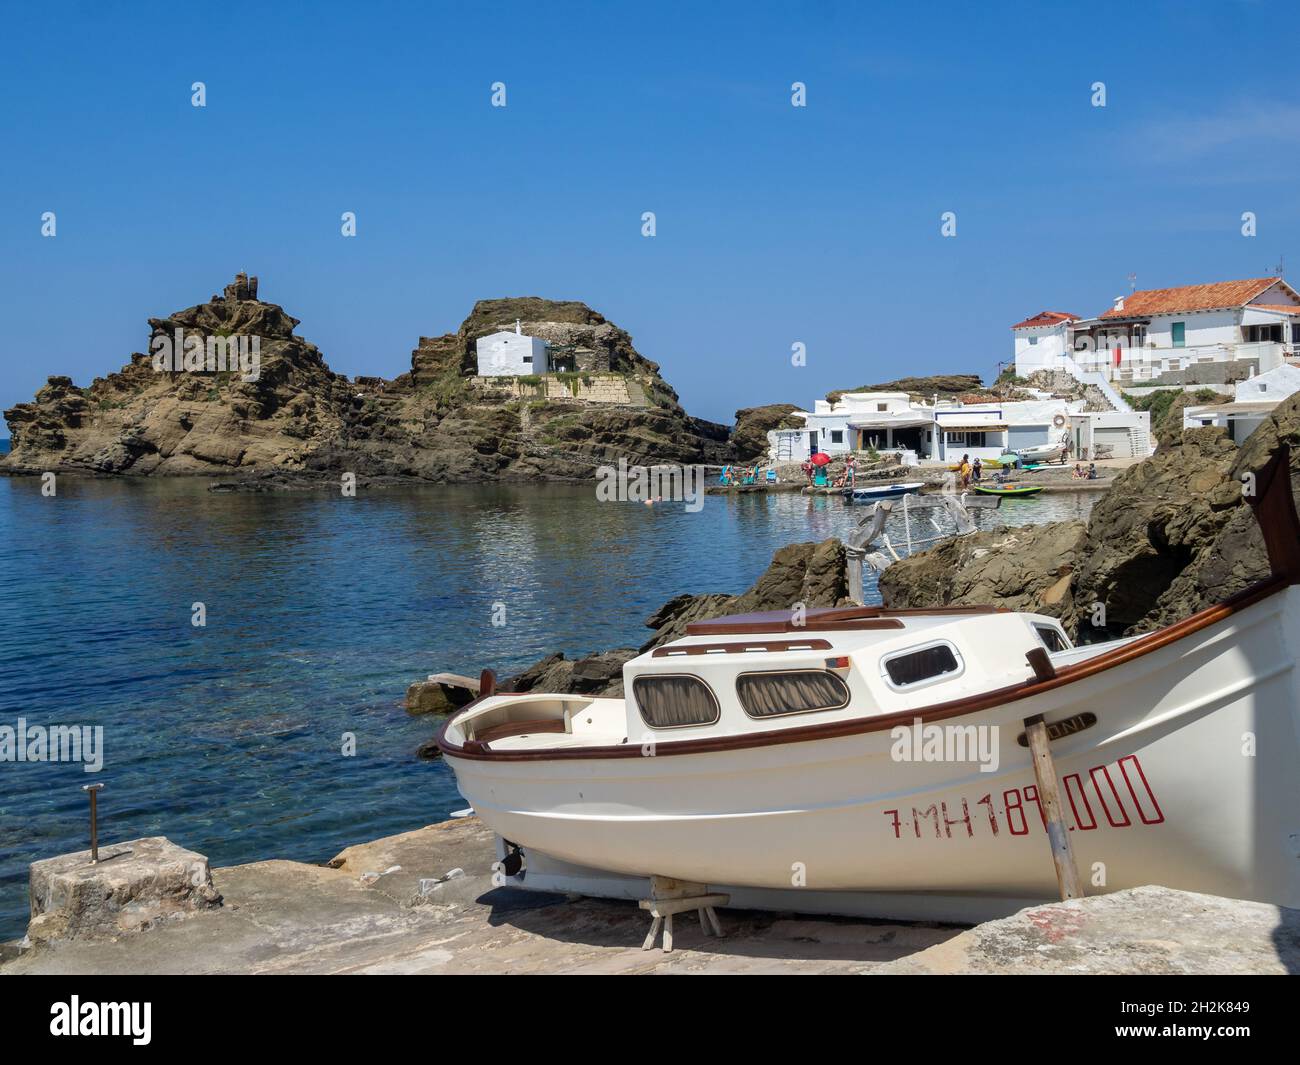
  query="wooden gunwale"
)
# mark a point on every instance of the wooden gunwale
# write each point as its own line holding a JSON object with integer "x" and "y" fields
{"x": 742, "y": 647}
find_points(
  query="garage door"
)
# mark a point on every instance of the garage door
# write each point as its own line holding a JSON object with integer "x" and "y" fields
{"x": 1117, "y": 438}
{"x": 1019, "y": 436}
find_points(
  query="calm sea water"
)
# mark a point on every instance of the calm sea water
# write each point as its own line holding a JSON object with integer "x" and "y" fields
{"x": 320, "y": 611}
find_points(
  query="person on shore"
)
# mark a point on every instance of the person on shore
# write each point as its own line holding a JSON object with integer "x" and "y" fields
{"x": 807, "y": 468}
{"x": 1092, "y": 471}
{"x": 963, "y": 471}
{"x": 1078, "y": 473}
{"x": 976, "y": 470}
{"x": 850, "y": 471}
{"x": 845, "y": 479}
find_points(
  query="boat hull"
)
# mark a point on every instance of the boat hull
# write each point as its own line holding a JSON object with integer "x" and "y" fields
{"x": 1187, "y": 778}
{"x": 987, "y": 490}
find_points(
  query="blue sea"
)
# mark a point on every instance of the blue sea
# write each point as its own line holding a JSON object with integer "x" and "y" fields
{"x": 229, "y": 737}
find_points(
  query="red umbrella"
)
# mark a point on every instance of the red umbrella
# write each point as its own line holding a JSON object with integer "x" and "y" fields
{"x": 821, "y": 459}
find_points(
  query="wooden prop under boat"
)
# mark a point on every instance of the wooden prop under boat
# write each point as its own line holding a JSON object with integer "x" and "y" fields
{"x": 875, "y": 762}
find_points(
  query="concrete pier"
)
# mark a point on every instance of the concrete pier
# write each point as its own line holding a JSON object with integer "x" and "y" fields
{"x": 424, "y": 902}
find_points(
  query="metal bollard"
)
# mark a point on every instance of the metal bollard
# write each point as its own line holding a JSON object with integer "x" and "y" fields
{"x": 94, "y": 790}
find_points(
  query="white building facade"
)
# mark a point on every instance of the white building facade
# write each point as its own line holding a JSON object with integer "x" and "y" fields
{"x": 937, "y": 432}
{"x": 1254, "y": 400}
{"x": 1192, "y": 333}
{"x": 507, "y": 354}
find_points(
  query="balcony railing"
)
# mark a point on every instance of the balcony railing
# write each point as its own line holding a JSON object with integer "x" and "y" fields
{"x": 1144, "y": 364}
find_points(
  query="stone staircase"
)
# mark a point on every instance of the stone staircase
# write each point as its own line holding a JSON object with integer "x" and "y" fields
{"x": 1096, "y": 381}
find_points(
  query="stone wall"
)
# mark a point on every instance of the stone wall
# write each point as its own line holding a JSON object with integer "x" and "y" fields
{"x": 603, "y": 389}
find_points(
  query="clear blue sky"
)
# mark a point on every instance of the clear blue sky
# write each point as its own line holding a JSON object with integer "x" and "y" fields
{"x": 775, "y": 224}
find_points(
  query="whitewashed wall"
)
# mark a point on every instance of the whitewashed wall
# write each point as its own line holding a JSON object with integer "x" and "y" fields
{"x": 508, "y": 354}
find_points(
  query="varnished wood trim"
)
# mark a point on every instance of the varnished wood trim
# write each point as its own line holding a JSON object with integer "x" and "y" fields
{"x": 740, "y": 648}
{"x": 519, "y": 728}
{"x": 1040, "y": 663}
{"x": 824, "y": 618}
{"x": 812, "y": 622}
{"x": 1129, "y": 652}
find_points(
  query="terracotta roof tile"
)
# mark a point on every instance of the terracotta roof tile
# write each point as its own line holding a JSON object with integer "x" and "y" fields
{"x": 1192, "y": 297}
{"x": 1046, "y": 318}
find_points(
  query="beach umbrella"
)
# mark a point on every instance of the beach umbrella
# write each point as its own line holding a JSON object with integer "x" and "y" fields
{"x": 821, "y": 459}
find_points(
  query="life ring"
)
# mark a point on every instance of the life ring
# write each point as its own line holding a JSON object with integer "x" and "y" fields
{"x": 1058, "y": 420}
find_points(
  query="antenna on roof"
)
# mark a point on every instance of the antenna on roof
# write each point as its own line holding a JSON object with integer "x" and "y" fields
{"x": 1280, "y": 269}
{"x": 1132, "y": 282}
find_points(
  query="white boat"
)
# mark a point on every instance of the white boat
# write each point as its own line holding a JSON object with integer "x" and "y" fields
{"x": 1059, "y": 451}
{"x": 872, "y": 761}
{"x": 871, "y": 492}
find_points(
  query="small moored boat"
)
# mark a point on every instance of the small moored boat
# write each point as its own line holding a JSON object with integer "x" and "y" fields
{"x": 1008, "y": 489}
{"x": 871, "y": 492}
{"x": 873, "y": 761}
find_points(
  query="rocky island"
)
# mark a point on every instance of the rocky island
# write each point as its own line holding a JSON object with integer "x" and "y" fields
{"x": 296, "y": 421}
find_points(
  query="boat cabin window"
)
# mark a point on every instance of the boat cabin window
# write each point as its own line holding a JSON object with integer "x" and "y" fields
{"x": 1052, "y": 637}
{"x": 922, "y": 665}
{"x": 796, "y": 691}
{"x": 675, "y": 701}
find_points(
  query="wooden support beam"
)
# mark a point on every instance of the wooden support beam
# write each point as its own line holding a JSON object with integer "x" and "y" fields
{"x": 1040, "y": 663}
{"x": 669, "y": 897}
{"x": 1049, "y": 796}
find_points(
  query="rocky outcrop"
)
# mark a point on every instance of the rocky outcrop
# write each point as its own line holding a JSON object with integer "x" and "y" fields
{"x": 947, "y": 386}
{"x": 273, "y": 411}
{"x": 295, "y": 419}
{"x": 1172, "y": 536}
{"x": 576, "y": 333}
{"x": 813, "y": 574}
{"x": 1141, "y": 931}
{"x": 1168, "y": 427}
{"x": 749, "y": 435}
{"x": 1029, "y": 567}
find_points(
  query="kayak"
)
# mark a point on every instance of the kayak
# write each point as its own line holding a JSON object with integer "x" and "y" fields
{"x": 1009, "y": 489}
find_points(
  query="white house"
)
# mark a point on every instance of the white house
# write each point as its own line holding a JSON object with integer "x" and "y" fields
{"x": 922, "y": 432}
{"x": 1254, "y": 400}
{"x": 1188, "y": 332}
{"x": 987, "y": 430}
{"x": 1042, "y": 342}
{"x": 506, "y": 354}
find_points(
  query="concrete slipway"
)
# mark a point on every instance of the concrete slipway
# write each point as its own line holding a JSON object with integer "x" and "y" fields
{"x": 290, "y": 917}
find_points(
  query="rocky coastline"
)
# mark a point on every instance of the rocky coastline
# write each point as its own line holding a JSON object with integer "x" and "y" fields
{"x": 296, "y": 424}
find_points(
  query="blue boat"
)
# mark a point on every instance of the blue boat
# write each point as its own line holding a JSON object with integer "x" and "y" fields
{"x": 870, "y": 493}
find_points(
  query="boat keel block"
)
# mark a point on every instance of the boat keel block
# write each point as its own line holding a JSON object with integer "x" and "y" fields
{"x": 668, "y": 897}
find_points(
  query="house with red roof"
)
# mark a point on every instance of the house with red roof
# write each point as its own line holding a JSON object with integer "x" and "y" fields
{"x": 1215, "y": 333}
{"x": 1042, "y": 342}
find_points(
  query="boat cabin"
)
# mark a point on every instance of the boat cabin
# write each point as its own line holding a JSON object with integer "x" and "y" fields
{"x": 766, "y": 672}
